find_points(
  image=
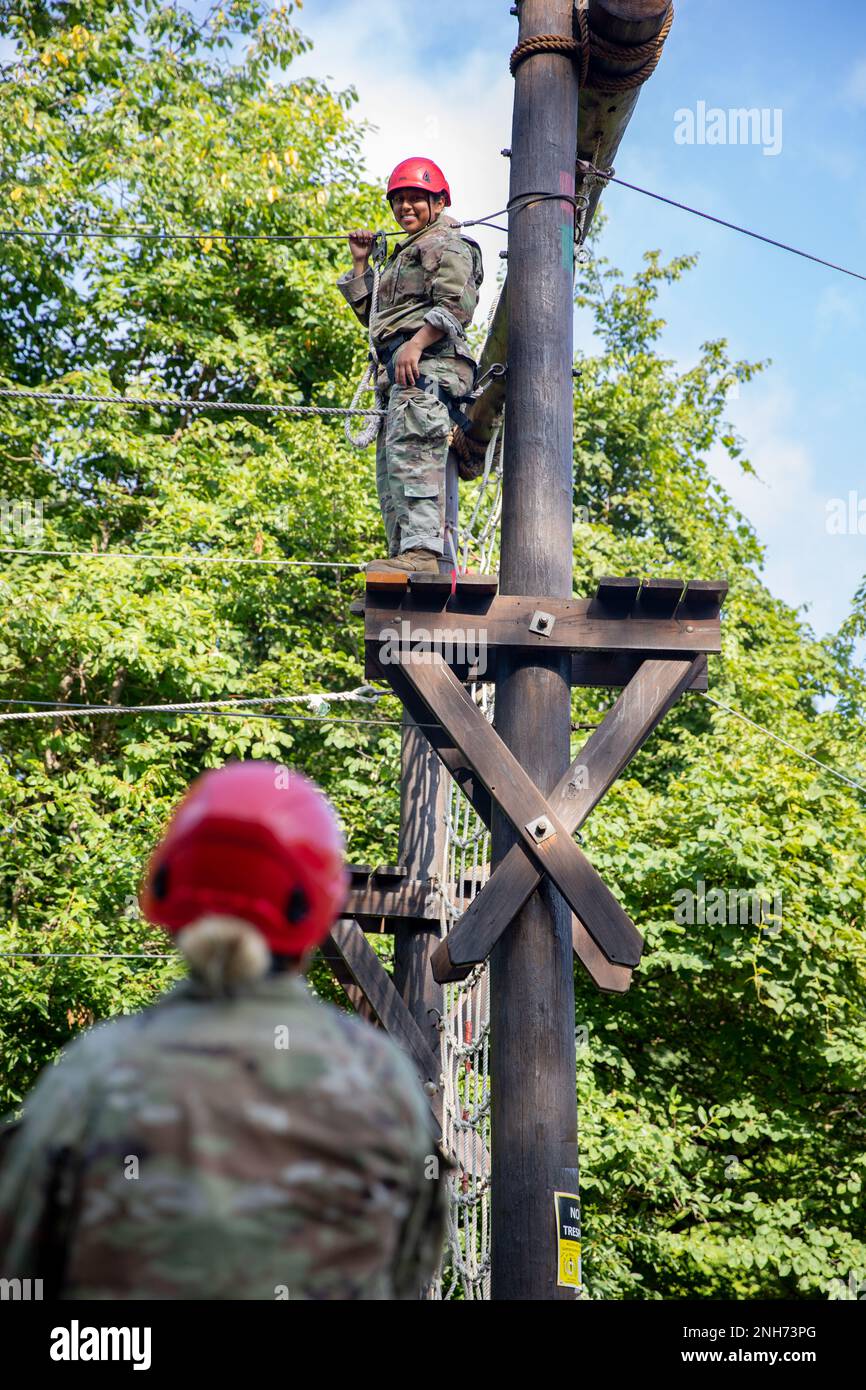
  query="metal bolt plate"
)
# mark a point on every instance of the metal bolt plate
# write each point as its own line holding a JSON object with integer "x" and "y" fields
{"x": 542, "y": 623}
{"x": 540, "y": 829}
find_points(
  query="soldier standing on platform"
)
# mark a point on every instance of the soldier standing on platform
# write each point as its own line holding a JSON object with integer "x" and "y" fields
{"x": 428, "y": 292}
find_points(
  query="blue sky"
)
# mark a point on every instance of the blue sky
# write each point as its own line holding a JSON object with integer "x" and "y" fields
{"x": 434, "y": 79}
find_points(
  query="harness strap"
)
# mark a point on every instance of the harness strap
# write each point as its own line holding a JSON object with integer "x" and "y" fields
{"x": 451, "y": 403}
{"x": 394, "y": 343}
{"x": 424, "y": 383}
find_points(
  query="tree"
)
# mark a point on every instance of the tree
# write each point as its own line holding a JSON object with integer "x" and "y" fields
{"x": 721, "y": 1100}
{"x": 126, "y": 115}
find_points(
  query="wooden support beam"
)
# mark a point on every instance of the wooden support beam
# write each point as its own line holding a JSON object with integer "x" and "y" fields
{"x": 579, "y": 625}
{"x": 442, "y": 744}
{"x": 639, "y": 709}
{"x": 428, "y": 588}
{"x": 660, "y": 598}
{"x": 407, "y": 903}
{"x": 604, "y": 974}
{"x": 353, "y": 992}
{"x": 617, "y": 594}
{"x": 612, "y": 670}
{"x": 608, "y": 977}
{"x": 431, "y": 590}
{"x": 349, "y": 945}
{"x": 704, "y": 597}
{"x": 529, "y": 812}
{"x": 424, "y": 797}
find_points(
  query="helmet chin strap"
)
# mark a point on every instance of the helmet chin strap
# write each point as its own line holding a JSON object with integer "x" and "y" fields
{"x": 430, "y": 200}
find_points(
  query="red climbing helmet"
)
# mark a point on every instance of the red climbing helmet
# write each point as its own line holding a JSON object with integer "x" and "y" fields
{"x": 256, "y": 841}
{"x": 420, "y": 173}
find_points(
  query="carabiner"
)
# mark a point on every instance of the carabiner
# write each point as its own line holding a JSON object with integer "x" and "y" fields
{"x": 379, "y": 253}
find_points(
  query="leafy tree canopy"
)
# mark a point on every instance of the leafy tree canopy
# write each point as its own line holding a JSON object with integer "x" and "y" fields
{"x": 721, "y": 1101}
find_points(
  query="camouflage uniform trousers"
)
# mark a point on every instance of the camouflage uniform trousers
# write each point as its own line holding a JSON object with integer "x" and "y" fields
{"x": 411, "y": 451}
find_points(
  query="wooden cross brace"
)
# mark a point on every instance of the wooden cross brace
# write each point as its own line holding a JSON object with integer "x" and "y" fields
{"x": 374, "y": 995}
{"x": 606, "y": 940}
{"x": 651, "y": 638}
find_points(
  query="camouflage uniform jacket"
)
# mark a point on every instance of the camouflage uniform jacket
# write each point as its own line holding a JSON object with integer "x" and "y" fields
{"x": 188, "y": 1152}
{"x": 431, "y": 277}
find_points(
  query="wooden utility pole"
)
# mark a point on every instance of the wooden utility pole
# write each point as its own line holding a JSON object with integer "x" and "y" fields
{"x": 423, "y": 799}
{"x": 605, "y": 112}
{"x": 424, "y": 793}
{"x": 544, "y": 902}
{"x": 534, "y": 1105}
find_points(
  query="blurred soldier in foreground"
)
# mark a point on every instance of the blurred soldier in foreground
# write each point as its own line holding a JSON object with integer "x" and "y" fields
{"x": 239, "y": 1139}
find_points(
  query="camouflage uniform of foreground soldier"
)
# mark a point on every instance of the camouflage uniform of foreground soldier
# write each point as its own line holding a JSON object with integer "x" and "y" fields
{"x": 239, "y": 1139}
{"x": 428, "y": 292}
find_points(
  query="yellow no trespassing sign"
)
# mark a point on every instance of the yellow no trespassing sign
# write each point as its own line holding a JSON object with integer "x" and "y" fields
{"x": 567, "y": 1211}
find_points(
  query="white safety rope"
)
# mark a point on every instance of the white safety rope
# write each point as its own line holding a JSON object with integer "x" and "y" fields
{"x": 372, "y": 423}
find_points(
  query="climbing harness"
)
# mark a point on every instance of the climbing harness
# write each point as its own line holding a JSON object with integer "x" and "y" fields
{"x": 425, "y": 383}
{"x": 385, "y": 358}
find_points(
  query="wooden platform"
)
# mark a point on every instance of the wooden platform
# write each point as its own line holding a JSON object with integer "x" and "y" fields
{"x": 386, "y": 894}
{"x": 426, "y": 635}
{"x": 431, "y": 589}
{"x": 624, "y": 622}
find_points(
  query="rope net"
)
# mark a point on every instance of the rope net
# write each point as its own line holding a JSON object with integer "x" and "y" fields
{"x": 465, "y": 1022}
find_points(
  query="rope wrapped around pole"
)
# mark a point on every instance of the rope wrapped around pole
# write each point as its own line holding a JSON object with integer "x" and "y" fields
{"x": 470, "y": 454}
{"x": 589, "y": 47}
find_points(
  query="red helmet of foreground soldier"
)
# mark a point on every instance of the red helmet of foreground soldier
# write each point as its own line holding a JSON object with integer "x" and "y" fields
{"x": 253, "y": 841}
{"x": 418, "y": 172}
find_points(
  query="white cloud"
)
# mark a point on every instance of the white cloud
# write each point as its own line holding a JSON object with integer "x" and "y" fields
{"x": 458, "y": 113}
{"x": 785, "y": 471}
{"x": 854, "y": 89}
{"x": 836, "y": 309}
{"x": 788, "y": 506}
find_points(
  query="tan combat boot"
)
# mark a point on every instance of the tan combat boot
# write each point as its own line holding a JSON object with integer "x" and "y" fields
{"x": 410, "y": 562}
